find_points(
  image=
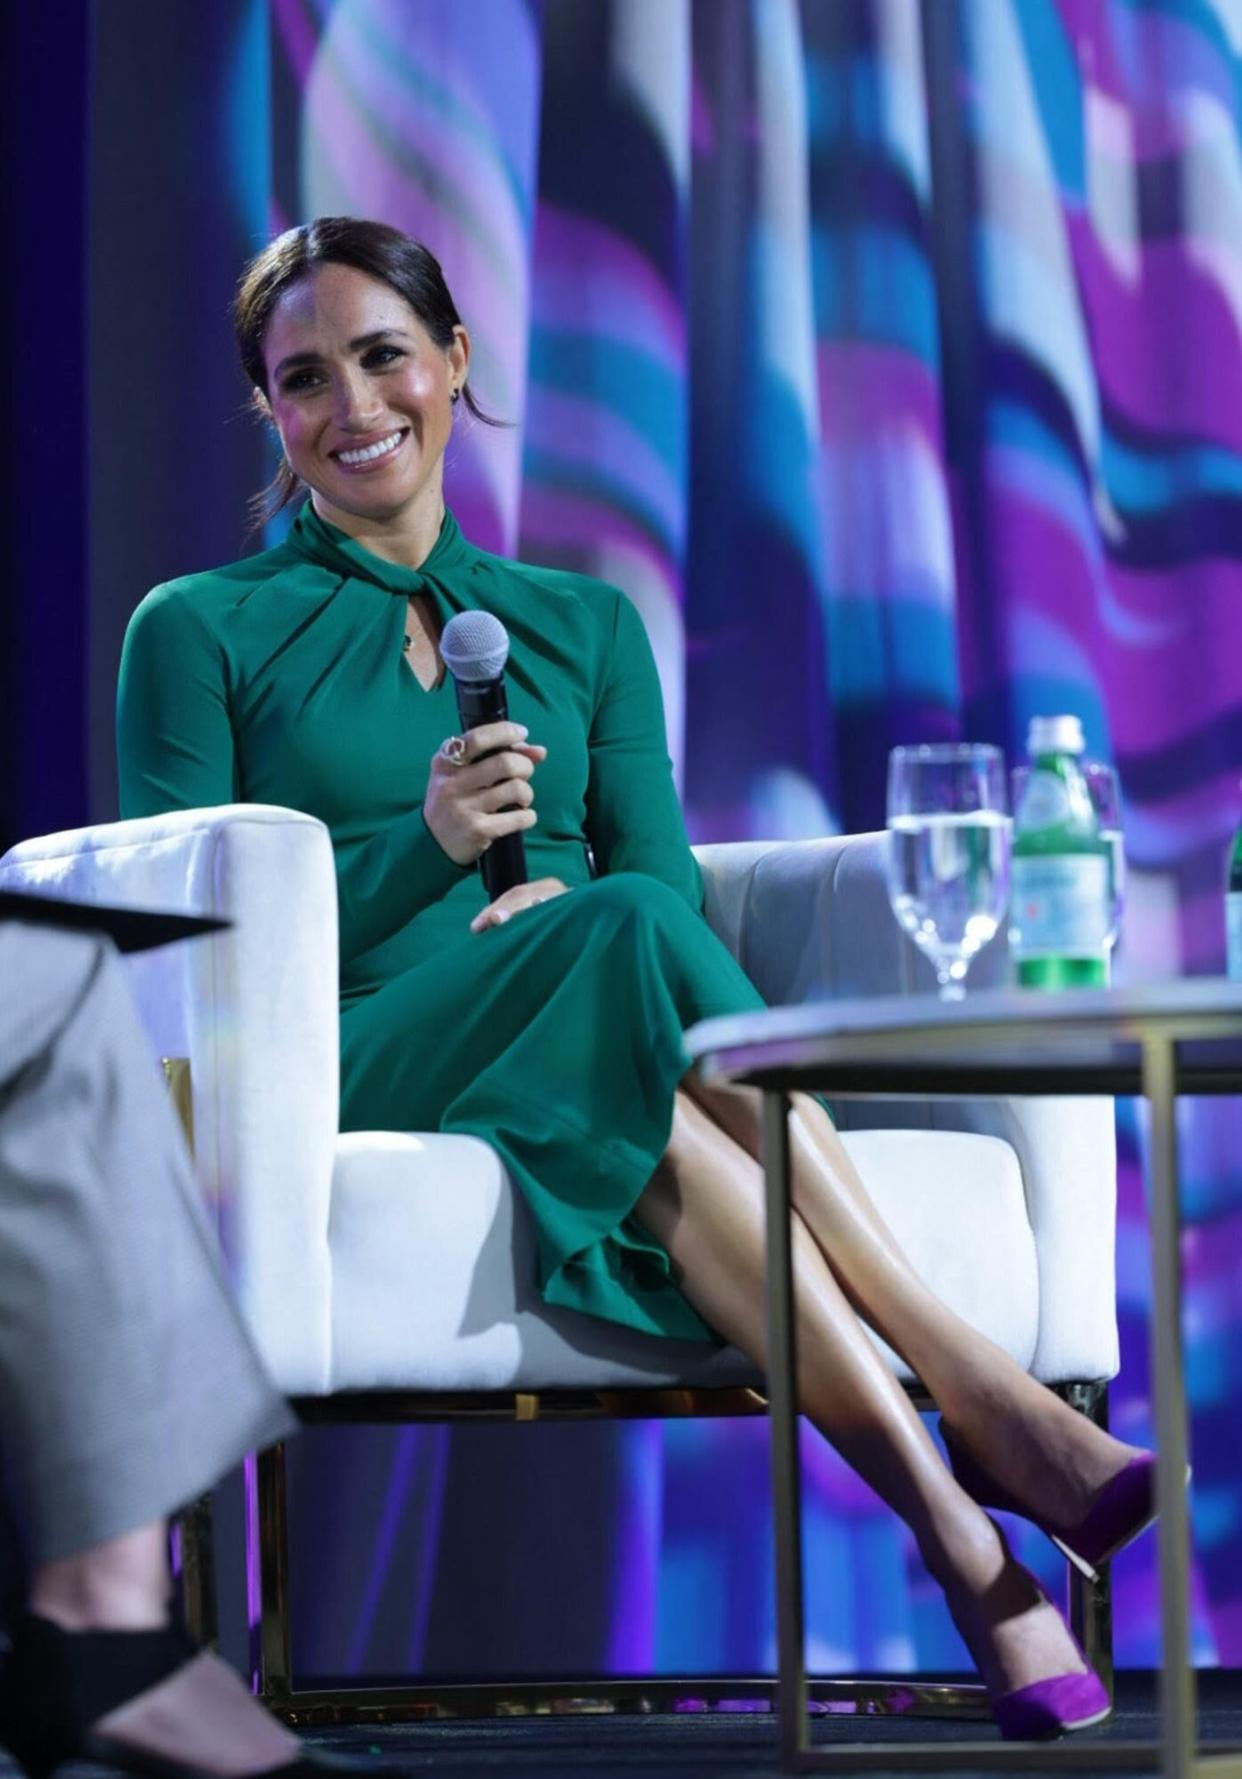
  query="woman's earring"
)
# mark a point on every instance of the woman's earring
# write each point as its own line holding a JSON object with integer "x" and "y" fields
{"x": 455, "y": 397}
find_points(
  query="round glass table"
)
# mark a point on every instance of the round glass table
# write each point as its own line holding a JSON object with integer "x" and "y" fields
{"x": 1157, "y": 1041}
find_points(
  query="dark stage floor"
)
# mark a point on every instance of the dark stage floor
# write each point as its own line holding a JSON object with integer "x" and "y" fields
{"x": 699, "y": 1747}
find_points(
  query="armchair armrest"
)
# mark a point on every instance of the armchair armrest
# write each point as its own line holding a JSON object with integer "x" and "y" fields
{"x": 254, "y": 1008}
{"x": 812, "y": 918}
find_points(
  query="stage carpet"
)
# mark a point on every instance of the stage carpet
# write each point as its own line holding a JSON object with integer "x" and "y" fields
{"x": 698, "y": 1746}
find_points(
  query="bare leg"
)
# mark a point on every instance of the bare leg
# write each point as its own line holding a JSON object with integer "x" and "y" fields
{"x": 201, "y": 1714}
{"x": 1027, "y": 1437}
{"x": 123, "y": 1585}
{"x": 704, "y": 1204}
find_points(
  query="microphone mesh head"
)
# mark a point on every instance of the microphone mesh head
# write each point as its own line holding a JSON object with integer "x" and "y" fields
{"x": 475, "y": 646}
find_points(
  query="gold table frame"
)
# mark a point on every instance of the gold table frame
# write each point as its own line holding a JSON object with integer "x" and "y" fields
{"x": 997, "y": 1043}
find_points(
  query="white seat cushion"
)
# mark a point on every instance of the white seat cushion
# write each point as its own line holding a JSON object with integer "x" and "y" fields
{"x": 427, "y": 1238}
{"x": 956, "y": 1204}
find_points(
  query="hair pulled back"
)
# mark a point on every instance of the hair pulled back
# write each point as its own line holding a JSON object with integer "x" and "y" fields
{"x": 377, "y": 249}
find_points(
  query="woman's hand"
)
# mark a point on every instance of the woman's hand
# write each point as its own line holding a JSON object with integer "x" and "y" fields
{"x": 472, "y": 801}
{"x": 522, "y": 895}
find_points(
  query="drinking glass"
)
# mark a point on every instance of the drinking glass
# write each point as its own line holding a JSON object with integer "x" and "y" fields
{"x": 948, "y": 851}
{"x": 1106, "y": 801}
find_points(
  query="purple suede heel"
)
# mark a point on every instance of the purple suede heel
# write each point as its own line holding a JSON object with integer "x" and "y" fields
{"x": 1121, "y": 1510}
{"x": 1050, "y": 1708}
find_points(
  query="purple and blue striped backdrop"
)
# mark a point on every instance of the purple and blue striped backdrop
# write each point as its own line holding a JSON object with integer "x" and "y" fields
{"x": 891, "y": 358}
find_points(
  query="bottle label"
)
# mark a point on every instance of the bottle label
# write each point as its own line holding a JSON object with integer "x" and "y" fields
{"x": 1045, "y": 802}
{"x": 1233, "y": 934}
{"x": 1059, "y": 902}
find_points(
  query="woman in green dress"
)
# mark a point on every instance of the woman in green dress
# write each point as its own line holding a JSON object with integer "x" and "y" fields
{"x": 549, "y": 1022}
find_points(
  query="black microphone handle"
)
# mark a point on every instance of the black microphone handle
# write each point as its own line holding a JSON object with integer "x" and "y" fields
{"x": 504, "y": 863}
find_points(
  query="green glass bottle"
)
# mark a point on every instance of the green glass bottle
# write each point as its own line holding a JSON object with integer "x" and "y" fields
{"x": 1233, "y": 911}
{"x": 1060, "y": 896}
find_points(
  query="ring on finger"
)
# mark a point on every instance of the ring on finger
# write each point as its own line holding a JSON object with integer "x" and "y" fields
{"x": 453, "y": 749}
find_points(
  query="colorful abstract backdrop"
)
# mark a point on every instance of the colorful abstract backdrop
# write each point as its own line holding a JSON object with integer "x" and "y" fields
{"x": 889, "y": 355}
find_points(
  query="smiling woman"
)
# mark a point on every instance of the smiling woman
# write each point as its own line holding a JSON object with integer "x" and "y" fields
{"x": 550, "y": 1021}
{"x": 356, "y": 354}
{"x": 362, "y": 397}
{"x": 309, "y": 675}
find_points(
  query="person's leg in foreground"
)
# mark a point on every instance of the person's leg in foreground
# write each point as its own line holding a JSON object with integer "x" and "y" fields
{"x": 128, "y": 1383}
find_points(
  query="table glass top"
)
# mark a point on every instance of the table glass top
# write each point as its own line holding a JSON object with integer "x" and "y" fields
{"x": 1008, "y": 1040}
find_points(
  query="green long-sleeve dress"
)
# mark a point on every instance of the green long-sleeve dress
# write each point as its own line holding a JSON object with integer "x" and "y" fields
{"x": 556, "y": 1037}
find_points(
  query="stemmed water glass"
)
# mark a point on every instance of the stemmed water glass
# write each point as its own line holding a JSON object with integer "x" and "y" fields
{"x": 1105, "y": 796}
{"x": 948, "y": 851}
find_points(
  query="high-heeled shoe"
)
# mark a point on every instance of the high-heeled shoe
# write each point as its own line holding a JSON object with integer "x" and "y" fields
{"x": 55, "y": 1685}
{"x": 1050, "y": 1708}
{"x": 1053, "y": 1707}
{"x": 1124, "y": 1507}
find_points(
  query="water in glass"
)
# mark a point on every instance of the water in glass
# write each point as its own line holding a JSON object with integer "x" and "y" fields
{"x": 1106, "y": 801}
{"x": 948, "y": 862}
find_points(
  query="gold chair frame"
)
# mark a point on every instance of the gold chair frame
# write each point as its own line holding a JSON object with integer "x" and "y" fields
{"x": 268, "y": 1550}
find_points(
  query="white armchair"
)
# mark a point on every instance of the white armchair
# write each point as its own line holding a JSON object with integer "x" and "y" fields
{"x": 358, "y": 1274}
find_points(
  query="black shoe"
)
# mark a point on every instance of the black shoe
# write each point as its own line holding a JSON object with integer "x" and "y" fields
{"x": 56, "y": 1684}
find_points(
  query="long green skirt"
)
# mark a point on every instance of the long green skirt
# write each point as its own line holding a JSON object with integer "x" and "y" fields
{"x": 557, "y": 1038}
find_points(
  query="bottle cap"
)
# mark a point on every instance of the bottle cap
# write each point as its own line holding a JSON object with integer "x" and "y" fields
{"x": 1055, "y": 735}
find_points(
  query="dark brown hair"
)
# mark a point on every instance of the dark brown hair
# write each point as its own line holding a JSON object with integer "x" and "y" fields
{"x": 375, "y": 248}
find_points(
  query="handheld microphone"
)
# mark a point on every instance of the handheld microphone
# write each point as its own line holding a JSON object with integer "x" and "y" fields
{"x": 475, "y": 647}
